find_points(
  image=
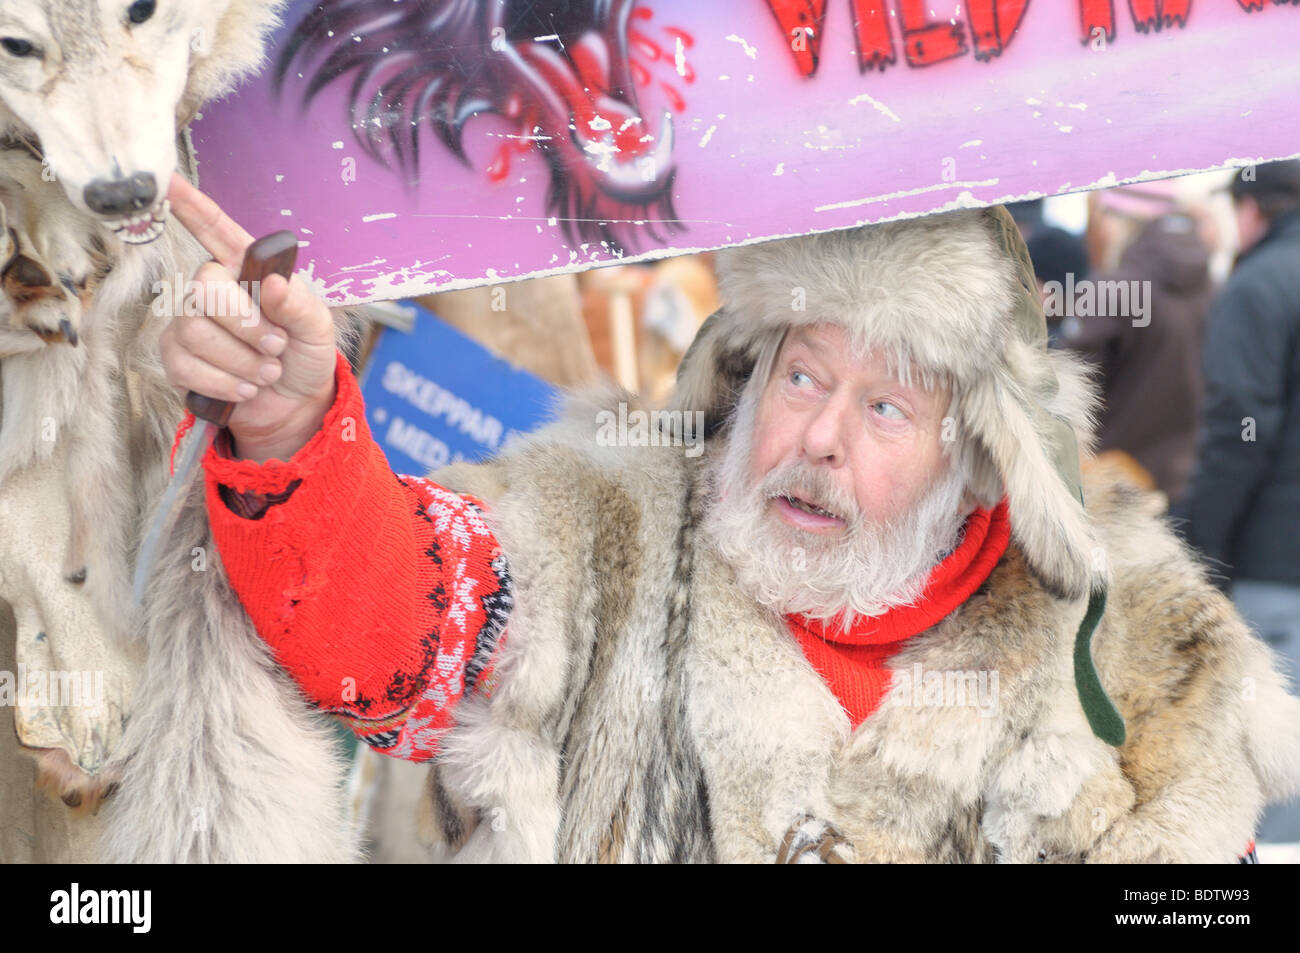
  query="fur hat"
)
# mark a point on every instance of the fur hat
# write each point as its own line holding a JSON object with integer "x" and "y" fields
{"x": 952, "y": 295}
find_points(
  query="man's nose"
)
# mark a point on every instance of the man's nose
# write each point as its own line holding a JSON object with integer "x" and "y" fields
{"x": 823, "y": 434}
{"x": 120, "y": 196}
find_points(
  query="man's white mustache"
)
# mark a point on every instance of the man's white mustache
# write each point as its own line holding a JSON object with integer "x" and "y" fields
{"x": 812, "y": 486}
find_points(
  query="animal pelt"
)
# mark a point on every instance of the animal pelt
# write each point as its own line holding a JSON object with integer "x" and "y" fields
{"x": 220, "y": 758}
{"x": 73, "y": 391}
{"x": 69, "y": 496}
{"x": 218, "y": 742}
{"x": 98, "y": 99}
{"x": 648, "y": 710}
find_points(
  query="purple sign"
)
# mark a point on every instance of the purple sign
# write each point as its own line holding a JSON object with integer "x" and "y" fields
{"x": 418, "y": 145}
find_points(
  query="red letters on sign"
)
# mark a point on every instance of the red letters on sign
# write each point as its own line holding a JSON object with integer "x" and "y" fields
{"x": 801, "y": 22}
{"x": 993, "y": 23}
{"x": 927, "y": 43}
{"x": 875, "y": 43}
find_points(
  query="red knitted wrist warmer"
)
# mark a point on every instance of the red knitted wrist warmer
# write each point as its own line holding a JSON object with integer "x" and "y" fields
{"x": 384, "y": 597}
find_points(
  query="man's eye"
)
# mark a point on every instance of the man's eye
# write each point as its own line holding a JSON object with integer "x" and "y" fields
{"x": 886, "y": 409}
{"x": 797, "y": 376}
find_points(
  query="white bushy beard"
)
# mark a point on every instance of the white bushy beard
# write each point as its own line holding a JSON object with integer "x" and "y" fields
{"x": 863, "y": 571}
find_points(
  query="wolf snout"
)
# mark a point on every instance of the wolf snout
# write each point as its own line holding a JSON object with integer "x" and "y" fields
{"x": 130, "y": 206}
{"x": 121, "y": 196}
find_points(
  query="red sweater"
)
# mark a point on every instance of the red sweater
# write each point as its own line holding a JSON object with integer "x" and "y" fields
{"x": 386, "y": 597}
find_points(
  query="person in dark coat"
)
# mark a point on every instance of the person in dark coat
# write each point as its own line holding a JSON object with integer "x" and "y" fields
{"x": 1244, "y": 506}
{"x": 1149, "y": 356}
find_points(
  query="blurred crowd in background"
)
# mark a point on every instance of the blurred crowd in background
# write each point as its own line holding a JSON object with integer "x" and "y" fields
{"x": 1199, "y": 370}
{"x": 1202, "y": 393}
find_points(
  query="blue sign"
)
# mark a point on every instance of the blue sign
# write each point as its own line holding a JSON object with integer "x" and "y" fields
{"x": 435, "y": 396}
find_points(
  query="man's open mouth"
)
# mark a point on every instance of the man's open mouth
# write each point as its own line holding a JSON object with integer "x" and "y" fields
{"x": 143, "y": 228}
{"x": 805, "y": 506}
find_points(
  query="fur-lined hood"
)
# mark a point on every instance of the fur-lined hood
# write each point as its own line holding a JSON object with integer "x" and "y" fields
{"x": 953, "y": 295}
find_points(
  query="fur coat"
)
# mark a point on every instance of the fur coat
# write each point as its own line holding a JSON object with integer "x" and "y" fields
{"x": 649, "y": 710}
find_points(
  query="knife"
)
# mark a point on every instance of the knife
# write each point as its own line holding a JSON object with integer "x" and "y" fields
{"x": 273, "y": 254}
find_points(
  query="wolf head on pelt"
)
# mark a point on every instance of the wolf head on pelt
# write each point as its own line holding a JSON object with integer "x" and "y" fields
{"x": 99, "y": 88}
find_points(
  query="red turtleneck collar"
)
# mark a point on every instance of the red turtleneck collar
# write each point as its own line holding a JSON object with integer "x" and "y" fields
{"x": 853, "y": 662}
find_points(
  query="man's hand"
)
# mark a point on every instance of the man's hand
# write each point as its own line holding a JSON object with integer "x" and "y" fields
{"x": 276, "y": 366}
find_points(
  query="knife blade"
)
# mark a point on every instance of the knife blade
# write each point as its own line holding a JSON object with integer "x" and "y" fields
{"x": 274, "y": 254}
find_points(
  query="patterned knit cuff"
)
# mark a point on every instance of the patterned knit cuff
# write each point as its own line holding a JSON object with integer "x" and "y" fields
{"x": 465, "y": 612}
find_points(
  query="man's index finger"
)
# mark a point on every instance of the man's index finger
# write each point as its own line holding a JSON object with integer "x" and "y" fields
{"x": 216, "y": 231}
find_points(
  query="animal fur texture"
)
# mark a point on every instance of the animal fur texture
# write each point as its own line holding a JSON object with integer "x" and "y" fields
{"x": 648, "y": 710}
{"x": 224, "y": 761}
{"x": 220, "y": 759}
{"x": 100, "y": 96}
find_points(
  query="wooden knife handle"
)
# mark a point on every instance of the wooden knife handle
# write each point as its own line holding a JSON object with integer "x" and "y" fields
{"x": 273, "y": 254}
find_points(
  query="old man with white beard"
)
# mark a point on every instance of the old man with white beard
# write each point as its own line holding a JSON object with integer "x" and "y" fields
{"x": 830, "y": 504}
{"x": 635, "y": 653}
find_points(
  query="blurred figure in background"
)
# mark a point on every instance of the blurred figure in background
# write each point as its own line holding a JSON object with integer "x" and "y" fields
{"x": 1244, "y": 507}
{"x": 642, "y": 318}
{"x": 1149, "y": 357}
{"x": 1028, "y": 216}
{"x": 1056, "y": 254}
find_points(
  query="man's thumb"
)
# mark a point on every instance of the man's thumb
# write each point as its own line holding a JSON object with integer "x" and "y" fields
{"x": 292, "y": 306}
